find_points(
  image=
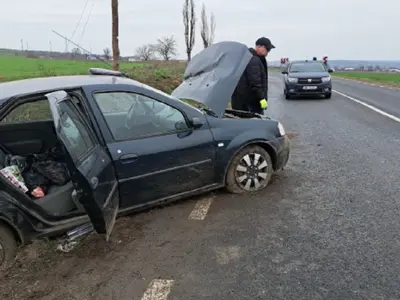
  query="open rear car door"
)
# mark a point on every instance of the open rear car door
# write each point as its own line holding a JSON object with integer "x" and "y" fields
{"x": 90, "y": 165}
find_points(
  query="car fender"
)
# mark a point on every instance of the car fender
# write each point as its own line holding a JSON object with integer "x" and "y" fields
{"x": 15, "y": 218}
{"x": 241, "y": 141}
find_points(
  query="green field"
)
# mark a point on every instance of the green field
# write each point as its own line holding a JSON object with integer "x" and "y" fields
{"x": 20, "y": 67}
{"x": 373, "y": 77}
{"x": 162, "y": 75}
{"x": 165, "y": 76}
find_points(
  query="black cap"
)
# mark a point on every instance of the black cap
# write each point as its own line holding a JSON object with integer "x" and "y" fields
{"x": 263, "y": 41}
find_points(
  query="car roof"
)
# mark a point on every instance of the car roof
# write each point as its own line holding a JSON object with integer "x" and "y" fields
{"x": 43, "y": 84}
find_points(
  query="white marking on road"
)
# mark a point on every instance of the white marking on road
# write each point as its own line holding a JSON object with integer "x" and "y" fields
{"x": 379, "y": 111}
{"x": 224, "y": 255}
{"x": 201, "y": 208}
{"x": 158, "y": 289}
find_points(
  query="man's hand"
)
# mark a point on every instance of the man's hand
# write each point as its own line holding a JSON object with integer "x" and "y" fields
{"x": 264, "y": 104}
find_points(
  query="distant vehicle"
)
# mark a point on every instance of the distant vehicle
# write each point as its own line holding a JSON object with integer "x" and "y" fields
{"x": 128, "y": 146}
{"x": 307, "y": 78}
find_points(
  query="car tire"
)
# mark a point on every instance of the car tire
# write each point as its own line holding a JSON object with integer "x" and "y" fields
{"x": 285, "y": 94}
{"x": 328, "y": 96}
{"x": 287, "y": 97}
{"x": 238, "y": 181}
{"x": 8, "y": 247}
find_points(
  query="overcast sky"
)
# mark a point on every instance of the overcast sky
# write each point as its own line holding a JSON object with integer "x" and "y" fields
{"x": 340, "y": 29}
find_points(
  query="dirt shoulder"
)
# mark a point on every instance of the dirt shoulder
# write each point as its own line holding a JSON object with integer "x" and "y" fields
{"x": 40, "y": 270}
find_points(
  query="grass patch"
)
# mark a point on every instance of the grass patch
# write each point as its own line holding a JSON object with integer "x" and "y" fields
{"x": 273, "y": 69}
{"x": 373, "y": 77}
{"x": 20, "y": 67}
{"x": 165, "y": 76}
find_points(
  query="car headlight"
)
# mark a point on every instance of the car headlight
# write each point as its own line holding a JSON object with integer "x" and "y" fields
{"x": 292, "y": 80}
{"x": 326, "y": 79}
{"x": 281, "y": 129}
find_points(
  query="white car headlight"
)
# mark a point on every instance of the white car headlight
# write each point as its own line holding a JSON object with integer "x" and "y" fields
{"x": 292, "y": 80}
{"x": 281, "y": 129}
{"x": 326, "y": 79}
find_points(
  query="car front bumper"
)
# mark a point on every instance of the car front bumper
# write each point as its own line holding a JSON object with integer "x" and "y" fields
{"x": 296, "y": 89}
{"x": 282, "y": 146}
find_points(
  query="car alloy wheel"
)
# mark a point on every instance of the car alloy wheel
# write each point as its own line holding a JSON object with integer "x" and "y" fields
{"x": 250, "y": 170}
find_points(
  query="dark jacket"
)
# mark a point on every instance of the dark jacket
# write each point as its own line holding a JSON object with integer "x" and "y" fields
{"x": 252, "y": 86}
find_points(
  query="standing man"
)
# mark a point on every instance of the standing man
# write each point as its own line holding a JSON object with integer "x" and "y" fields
{"x": 251, "y": 93}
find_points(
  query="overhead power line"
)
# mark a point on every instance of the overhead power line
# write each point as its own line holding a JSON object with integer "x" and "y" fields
{"x": 87, "y": 21}
{"x": 80, "y": 19}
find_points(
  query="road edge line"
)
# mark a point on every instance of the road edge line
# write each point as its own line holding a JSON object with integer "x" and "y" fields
{"x": 159, "y": 289}
{"x": 371, "y": 107}
{"x": 201, "y": 208}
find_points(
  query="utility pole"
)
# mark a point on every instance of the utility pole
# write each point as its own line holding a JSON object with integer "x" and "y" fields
{"x": 22, "y": 44}
{"x": 115, "y": 46}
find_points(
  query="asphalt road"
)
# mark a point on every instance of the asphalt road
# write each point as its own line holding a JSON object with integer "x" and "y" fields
{"x": 383, "y": 98}
{"x": 328, "y": 226}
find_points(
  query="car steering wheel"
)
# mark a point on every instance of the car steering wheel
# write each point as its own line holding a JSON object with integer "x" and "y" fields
{"x": 132, "y": 119}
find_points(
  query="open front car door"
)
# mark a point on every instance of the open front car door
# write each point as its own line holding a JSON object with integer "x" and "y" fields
{"x": 90, "y": 165}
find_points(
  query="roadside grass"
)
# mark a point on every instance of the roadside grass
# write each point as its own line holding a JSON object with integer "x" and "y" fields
{"x": 165, "y": 76}
{"x": 19, "y": 67}
{"x": 162, "y": 75}
{"x": 392, "y": 79}
{"x": 274, "y": 69}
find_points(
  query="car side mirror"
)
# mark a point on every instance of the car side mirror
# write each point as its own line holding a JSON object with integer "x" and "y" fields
{"x": 330, "y": 70}
{"x": 181, "y": 126}
{"x": 196, "y": 122}
{"x": 284, "y": 72}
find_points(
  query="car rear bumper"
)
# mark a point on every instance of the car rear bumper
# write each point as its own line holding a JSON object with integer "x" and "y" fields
{"x": 294, "y": 89}
{"x": 282, "y": 145}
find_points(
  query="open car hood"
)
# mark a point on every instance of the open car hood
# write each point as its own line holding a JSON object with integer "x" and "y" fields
{"x": 212, "y": 75}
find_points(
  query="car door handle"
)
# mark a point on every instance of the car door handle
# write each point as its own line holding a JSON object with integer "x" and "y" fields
{"x": 128, "y": 158}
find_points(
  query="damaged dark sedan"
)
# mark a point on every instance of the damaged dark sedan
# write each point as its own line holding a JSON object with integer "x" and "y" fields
{"x": 76, "y": 151}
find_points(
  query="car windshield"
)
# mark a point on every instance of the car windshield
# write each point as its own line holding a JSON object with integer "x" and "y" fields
{"x": 307, "y": 67}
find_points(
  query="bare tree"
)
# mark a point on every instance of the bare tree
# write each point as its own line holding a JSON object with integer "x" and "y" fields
{"x": 76, "y": 51}
{"x": 204, "y": 32}
{"x": 189, "y": 21}
{"x": 212, "y": 29}
{"x": 145, "y": 52}
{"x": 107, "y": 53}
{"x": 207, "y": 32}
{"x": 166, "y": 47}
